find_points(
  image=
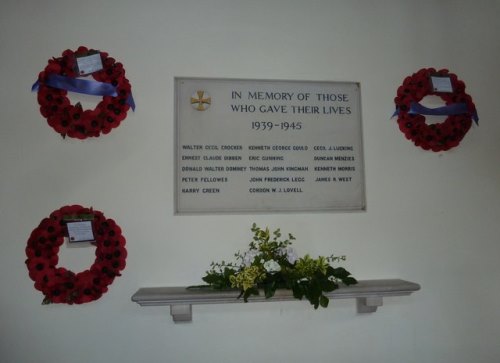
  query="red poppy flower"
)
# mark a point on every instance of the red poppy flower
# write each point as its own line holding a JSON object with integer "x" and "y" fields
{"x": 87, "y": 293}
{"x": 78, "y": 129}
{"x": 49, "y": 234}
{"x": 113, "y": 266}
{"x": 85, "y": 289}
{"x": 119, "y": 241}
{"x": 101, "y": 276}
{"x": 50, "y": 225}
{"x": 43, "y": 252}
{"x": 46, "y": 280}
{"x": 120, "y": 253}
{"x": 89, "y": 125}
{"x": 59, "y": 293}
{"x": 82, "y": 50}
{"x": 77, "y": 211}
{"x": 98, "y": 217}
{"x": 37, "y": 267}
{"x": 61, "y": 124}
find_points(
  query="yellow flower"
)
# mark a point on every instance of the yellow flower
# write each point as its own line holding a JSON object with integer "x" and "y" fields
{"x": 247, "y": 278}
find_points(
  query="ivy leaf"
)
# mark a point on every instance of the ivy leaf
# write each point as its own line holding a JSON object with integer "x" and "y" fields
{"x": 315, "y": 302}
{"x": 313, "y": 293}
{"x": 219, "y": 281}
{"x": 248, "y": 292}
{"x": 270, "y": 289}
{"x": 228, "y": 272}
{"x": 210, "y": 279}
{"x": 341, "y": 273}
{"x": 323, "y": 301}
{"x": 315, "y": 288}
{"x": 298, "y": 292}
{"x": 328, "y": 285}
{"x": 350, "y": 281}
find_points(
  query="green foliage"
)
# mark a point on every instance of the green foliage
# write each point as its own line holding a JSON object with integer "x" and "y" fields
{"x": 271, "y": 263}
{"x": 219, "y": 280}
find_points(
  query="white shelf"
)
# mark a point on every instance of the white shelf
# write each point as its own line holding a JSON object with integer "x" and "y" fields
{"x": 368, "y": 295}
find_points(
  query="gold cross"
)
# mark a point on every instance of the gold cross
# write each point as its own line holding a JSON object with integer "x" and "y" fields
{"x": 200, "y": 101}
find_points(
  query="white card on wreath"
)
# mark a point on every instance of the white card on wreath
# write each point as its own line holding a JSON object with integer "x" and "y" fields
{"x": 441, "y": 84}
{"x": 80, "y": 231}
{"x": 89, "y": 64}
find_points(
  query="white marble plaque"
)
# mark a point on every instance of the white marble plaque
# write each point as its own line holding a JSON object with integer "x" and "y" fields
{"x": 250, "y": 146}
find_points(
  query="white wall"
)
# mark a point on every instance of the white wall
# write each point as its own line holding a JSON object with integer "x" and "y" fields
{"x": 432, "y": 218}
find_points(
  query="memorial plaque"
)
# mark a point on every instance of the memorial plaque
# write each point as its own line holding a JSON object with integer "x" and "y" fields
{"x": 250, "y": 146}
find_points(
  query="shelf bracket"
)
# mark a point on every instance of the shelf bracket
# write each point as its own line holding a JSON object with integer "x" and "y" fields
{"x": 368, "y": 304}
{"x": 181, "y": 313}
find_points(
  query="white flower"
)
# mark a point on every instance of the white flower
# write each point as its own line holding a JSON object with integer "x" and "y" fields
{"x": 290, "y": 254}
{"x": 249, "y": 257}
{"x": 272, "y": 266}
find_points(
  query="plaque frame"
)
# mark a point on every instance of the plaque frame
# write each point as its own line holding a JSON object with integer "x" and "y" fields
{"x": 202, "y": 95}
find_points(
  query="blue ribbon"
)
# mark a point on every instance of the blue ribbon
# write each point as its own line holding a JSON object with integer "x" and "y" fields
{"x": 451, "y": 109}
{"x": 84, "y": 86}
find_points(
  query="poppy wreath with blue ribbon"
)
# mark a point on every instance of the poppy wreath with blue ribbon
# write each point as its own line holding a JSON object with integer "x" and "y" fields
{"x": 60, "y": 285}
{"x": 459, "y": 109}
{"x": 60, "y": 76}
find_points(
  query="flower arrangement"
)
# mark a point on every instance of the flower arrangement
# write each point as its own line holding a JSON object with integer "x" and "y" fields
{"x": 60, "y": 285}
{"x": 271, "y": 263}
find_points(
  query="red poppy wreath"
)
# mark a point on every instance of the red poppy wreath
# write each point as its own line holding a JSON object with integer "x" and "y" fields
{"x": 60, "y": 285}
{"x": 459, "y": 109}
{"x": 60, "y": 76}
